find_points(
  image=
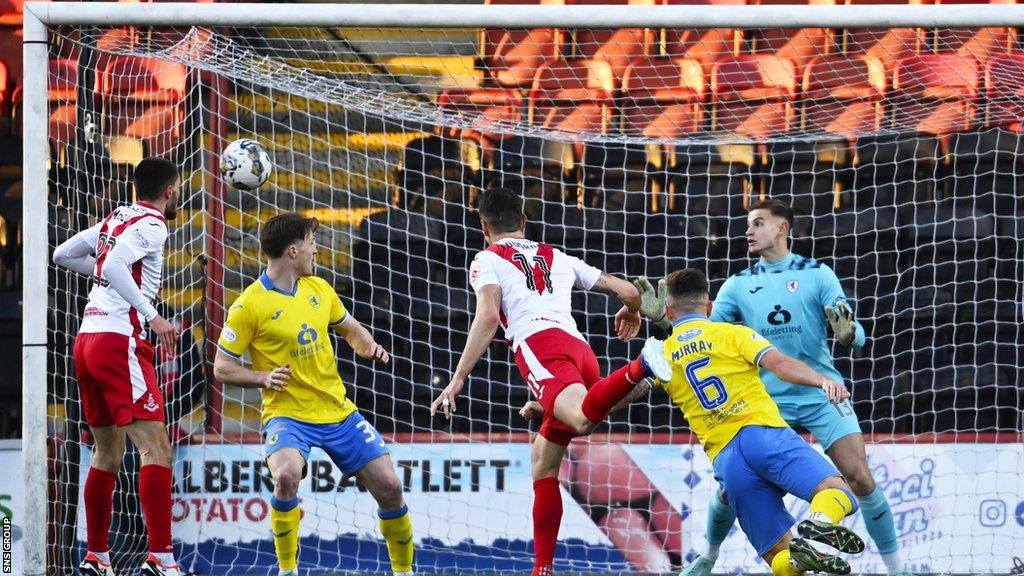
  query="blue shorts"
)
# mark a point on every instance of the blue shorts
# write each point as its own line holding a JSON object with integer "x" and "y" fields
{"x": 757, "y": 468}
{"x": 351, "y": 443}
{"x": 827, "y": 421}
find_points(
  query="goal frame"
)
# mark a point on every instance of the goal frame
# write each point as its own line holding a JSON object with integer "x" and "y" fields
{"x": 39, "y": 15}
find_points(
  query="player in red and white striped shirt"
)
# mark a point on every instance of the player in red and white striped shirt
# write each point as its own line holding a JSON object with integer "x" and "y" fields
{"x": 114, "y": 366}
{"x": 526, "y": 287}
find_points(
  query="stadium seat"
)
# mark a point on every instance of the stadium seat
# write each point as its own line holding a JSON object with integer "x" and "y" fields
{"x": 617, "y": 47}
{"x": 573, "y": 96}
{"x": 843, "y": 95}
{"x": 894, "y": 170}
{"x": 752, "y": 96}
{"x": 621, "y": 177}
{"x": 798, "y": 45}
{"x": 142, "y": 100}
{"x": 540, "y": 168}
{"x": 935, "y": 94}
{"x": 510, "y": 58}
{"x": 662, "y": 97}
{"x": 887, "y": 45}
{"x": 482, "y": 108}
{"x": 703, "y": 45}
{"x": 979, "y": 43}
{"x": 63, "y": 94}
{"x": 1004, "y": 91}
{"x": 806, "y": 175}
{"x": 433, "y": 174}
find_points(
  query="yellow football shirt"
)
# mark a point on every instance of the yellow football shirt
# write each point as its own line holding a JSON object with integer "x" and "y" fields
{"x": 279, "y": 328}
{"x": 716, "y": 381}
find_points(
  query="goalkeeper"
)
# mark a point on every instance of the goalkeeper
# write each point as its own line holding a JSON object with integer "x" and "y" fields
{"x": 789, "y": 299}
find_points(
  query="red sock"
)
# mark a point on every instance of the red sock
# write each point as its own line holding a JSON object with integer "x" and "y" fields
{"x": 547, "y": 517}
{"x": 155, "y": 493}
{"x": 610, "y": 390}
{"x": 99, "y": 502}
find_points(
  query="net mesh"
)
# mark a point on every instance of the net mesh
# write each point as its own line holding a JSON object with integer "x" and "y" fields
{"x": 637, "y": 150}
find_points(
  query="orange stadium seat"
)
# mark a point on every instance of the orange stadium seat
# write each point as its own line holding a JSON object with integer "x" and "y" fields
{"x": 617, "y": 47}
{"x": 935, "y": 93}
{"x": 511, "y": 57}
{"x": 142, "y": 100}
{"x": 63, "y": 94}
{"x": 981, "y": 43}
{"x": 573, "y": 96}
{"x": 1004, "y": 90}
{"x": 888, "y": 45}
{"x": 798, "y": 45}
{"x": 752, "y": 96}
{"x": 662, "y": 97}
{"x": 482, "y": 107}
{"x": 843, "y": 95}
{"x": 704, "y": 45}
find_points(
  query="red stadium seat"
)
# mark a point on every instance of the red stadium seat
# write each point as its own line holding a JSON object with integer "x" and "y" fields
{"x": 510, "y": 58}
{"x": 935, "y": 93}
{"x": 483, "y": 107}
{"x": 63, "y": 94}
{"x": 981, "y": 43}
{"x": 704, "y": 45}
{"x": 573, "y": 96}
{"x": 663, "y": 97}
{"x": 1004, "y": 88}
{"x": 617, "y": 47}
{"x": 142, "y": 100}
{"x": 888, "y": 45}
{"x": 843, "y": 95}
{"x": 798, "y": 45}
{"x": 752, "y": 96}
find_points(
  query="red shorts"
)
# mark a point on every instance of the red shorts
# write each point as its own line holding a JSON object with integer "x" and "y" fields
{"x": 549, "y": 361}
{"x": 117, "y": 379}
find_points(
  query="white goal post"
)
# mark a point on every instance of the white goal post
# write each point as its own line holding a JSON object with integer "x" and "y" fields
{"x": 39, "y": 16}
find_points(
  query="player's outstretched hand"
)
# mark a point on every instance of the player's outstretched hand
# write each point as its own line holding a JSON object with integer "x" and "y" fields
{"x": 165, "y": 332}
{"x": 277, "y": 379}
{"x": 531, "y": 410}
{"x": 377, "y": 353}
{"x": 652, "y": 303}
{"x": 627, "y": 324}
{"x": 836, "y": 392}
{"x": 840, "y": 317}
{"x": 445, "y": 401}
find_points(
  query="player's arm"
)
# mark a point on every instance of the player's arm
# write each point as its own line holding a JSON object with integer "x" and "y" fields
{"x": 78, "y": 252}
{"x": 117, "y": 271}
{"x": 838, "y": 311}
{"x": 792, "y": 370}
{"x": 360, "y": 339}
{"x": 230, "y": 370}
{"x": 627, "y": 319}
{"x": 485, "y": 323}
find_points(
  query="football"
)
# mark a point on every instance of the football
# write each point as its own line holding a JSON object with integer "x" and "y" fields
{"x": 245, "y": 164}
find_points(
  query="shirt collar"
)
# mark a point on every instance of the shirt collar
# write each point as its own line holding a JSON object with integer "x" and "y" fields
{"x": 269, "y": 285}
{"x": 688, "y": 318}
{"x": 779, "y": 265}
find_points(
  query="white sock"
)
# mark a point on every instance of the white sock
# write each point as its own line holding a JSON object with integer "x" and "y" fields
{"x": 712, "y": 553}
{"x": 821, "y": 518}
{"x": 892, "y": 562}
{"x": 409, "y": 573}
{"x": 103, "y": 557}
{"x": 165, "y": 558}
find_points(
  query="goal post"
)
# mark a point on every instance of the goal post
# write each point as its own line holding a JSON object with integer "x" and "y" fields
{"x": 639, "y": 163}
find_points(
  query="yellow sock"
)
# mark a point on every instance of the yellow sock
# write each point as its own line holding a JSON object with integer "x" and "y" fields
{"x": 396, "y": 527}
{"x": 834, "y": 503}
{"x": 284, "y": 521}
{"x": 781, "y": 566}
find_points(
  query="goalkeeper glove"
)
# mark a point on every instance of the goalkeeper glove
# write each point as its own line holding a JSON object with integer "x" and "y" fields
{"x": 652, "y": 304}
{"x": 840, "y": 317}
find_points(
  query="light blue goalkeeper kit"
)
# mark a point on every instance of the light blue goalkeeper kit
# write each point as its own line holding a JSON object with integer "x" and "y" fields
{"x": 783, "y": 301}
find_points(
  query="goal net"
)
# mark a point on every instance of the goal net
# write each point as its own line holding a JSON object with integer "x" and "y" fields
{"x": 636, "y": 148}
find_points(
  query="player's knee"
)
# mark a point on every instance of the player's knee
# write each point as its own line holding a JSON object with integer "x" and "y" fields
{"x": 286, "y": 481}
{"x": 389, "y": 494}
{"x": 836, "y": 482}
{"x": 861, "y": 482}
{"x": 583, "y": 427}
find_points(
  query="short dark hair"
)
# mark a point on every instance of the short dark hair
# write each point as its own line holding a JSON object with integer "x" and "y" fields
{"x": 152, "y": 176}
{"x": 283, "y": 230}
{"x": 688, "y": 283}
{"x": 502, "y": 209}
{"x": 776, "y": 207}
